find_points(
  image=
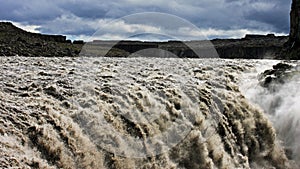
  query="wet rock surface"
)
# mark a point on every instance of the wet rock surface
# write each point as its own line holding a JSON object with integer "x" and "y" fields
{"x": 280, "y": 74}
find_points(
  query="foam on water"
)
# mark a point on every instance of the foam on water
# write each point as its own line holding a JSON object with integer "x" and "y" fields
{"x": 282, "y": 105}
{"x": 131, "y": 113}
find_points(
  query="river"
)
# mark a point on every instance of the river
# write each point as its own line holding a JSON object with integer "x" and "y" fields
{"x": 100, "y": 112}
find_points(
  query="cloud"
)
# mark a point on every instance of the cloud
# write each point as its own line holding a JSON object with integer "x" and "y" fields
{"x": 81, "y": 18}
{"x": 85, "y": 9}
{"x": 275, "y": 15}
{"x": 31, "y": 12}
{"x": 131, "y": 27}
{"x": 69, "y": 24}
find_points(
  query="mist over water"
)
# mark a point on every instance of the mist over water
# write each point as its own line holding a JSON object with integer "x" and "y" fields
{"x": 133, "y": 113}
{"x": 281, "y": 104}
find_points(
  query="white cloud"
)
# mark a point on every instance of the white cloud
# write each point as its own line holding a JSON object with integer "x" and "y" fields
{"x": 122, "y": 26}
{"x": 223, "y": 18}
{"x": 263, "y": 6}
{"x": 235, "y": 33}
{"x": 182, "y": 33}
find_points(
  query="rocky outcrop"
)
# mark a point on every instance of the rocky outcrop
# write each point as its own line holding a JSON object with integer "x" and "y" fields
{"x": 291, "y": 49}
{"x": 250, "y": 47}
{"x": 9, "y": 27}
{"x": 15, "y": 41}
{"x": 280, "y": 74}
{"x": 295, "y": 22}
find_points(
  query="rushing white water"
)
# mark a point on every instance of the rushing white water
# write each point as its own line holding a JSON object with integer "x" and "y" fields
{"x": 281, "y": 104}
{"x": 132, "y": 113}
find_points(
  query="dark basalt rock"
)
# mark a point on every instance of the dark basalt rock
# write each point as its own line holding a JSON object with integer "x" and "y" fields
{"x": 279, "y": 75}
{"x": 282, "y": 66}
{"x": 78, "y": 42}
{"x": 291, "y": 49}
{"x": 295, "y": 22}
{"x": 250, "y": 47}
{"x": 15, "y": 41}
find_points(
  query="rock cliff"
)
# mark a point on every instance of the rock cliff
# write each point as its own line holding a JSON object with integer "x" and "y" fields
{"x": 250, "y": 47}
{"x": 291, "y": 49}
{"x": 295, "y": 22}
{"x": 15, "y": 41}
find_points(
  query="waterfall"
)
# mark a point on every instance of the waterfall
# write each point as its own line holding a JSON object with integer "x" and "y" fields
{"x": 281, "y": 104}
{"x": 133, "y": 113}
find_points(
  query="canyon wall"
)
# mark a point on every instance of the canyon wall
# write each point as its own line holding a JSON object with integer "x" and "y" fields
{"x": 14, "y": 41}
{"x": 295, "y": 22}
{"x": 9, "y": 27}
{"x": 249, "y": 47}
{"x": 291, "y": 49}
{"x": 17, "y": 42}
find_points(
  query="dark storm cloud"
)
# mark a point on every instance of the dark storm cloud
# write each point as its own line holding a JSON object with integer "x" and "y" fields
{"x": 85, "y": 9}
{"x": 274, "y": 13}
{"x": 32, "y": 12}
{"x": 77, "y": 17}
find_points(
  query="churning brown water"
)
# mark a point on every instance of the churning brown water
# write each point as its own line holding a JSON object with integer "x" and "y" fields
{"x": 132, "y": 113}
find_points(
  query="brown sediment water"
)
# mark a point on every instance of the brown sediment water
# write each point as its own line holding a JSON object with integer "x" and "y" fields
{"x": 280, "y": 101}
{"x": 132, "y": 113}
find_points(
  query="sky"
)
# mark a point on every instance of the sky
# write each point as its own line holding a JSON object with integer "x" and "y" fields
{"x": 184, "y": 19}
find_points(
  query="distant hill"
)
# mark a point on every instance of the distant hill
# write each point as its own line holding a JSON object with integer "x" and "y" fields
{"x": 250, "y": 47}
{"x": 15, "y": 41}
